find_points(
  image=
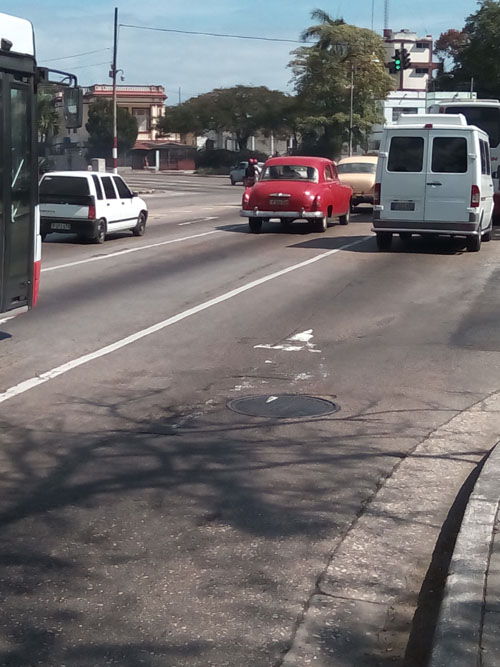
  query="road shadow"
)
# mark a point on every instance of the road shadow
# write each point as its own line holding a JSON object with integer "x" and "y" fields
{"x": 122, "y": 546}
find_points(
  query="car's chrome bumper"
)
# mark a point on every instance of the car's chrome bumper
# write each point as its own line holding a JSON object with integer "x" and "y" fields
{"x": 257, "y": 213}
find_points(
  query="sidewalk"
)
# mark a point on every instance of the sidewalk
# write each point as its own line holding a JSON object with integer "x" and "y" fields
{"x": 468, "y": 629}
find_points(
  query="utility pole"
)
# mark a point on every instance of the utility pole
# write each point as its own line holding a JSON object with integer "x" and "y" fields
{"x": 113, "y": 75}
{"x": 351, "y": 109}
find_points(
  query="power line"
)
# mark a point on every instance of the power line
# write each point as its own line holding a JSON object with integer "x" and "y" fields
{"x": 77, "y": 55}
{"x": 92, "y": 65}
{"x": 212, "y": 34}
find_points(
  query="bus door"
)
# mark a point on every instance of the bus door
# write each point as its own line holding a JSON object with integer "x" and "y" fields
{"x": 18, "y": 185}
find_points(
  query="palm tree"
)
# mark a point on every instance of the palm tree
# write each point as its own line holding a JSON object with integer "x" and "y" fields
{"x": 324, "y": 32}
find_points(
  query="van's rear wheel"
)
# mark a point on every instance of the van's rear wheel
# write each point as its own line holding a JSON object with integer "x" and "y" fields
{"x": 384, "y": 240}
{"x": 474, "y": 243}
{"x": 100, "y": 231}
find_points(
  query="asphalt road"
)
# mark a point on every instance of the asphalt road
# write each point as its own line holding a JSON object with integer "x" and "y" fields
{"x": 144, "y": 522}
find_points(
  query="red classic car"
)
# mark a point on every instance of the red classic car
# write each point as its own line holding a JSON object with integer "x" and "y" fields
{"x": 297, "y": 188}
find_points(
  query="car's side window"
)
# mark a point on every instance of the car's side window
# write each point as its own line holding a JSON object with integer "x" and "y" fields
{"x": 98, "y": 187}
{"x": 328, "y": 173}
{"x": 108, "y": 187}
{"x": 123, "y": 191}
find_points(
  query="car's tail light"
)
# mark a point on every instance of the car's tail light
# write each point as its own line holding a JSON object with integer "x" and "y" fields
{"x": 246, "y": 199}
{"x": 92, "y": 211}
{"x": 475, "y": 196}
{"x": 376, "y": 194}
{"x": 316, "y": 205}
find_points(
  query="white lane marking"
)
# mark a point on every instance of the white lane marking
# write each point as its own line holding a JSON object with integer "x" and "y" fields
{"x": 19, "y": 311}
{"x": 37, "y": 380}
{"x": 127, "y": 251}
{"x": 192, "y": 222}
{"x": 271, "y": 399}
{"x": 303, "y": 337}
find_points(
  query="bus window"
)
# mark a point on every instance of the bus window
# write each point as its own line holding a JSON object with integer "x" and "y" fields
{"x": 486, "y": 118}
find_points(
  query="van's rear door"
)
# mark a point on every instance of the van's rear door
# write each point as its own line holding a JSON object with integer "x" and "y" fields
{"x": 403, "y": 186}
{"x": 449, "y": 176}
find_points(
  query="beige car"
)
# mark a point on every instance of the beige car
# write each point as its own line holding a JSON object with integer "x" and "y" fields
{"x": 359, "y": 172}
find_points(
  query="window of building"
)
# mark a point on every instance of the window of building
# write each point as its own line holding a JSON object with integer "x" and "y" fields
{"x": 422, "y": 45}
{"x": 143, "y": 117}
{"x": 421, "y": 70}
{"x": 397, "y": 111}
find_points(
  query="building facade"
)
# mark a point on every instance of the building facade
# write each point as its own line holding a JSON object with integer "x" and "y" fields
{"x": 420, "y": 49}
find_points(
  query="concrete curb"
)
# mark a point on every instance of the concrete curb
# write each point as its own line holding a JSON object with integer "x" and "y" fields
{"x": 458, "y": 634}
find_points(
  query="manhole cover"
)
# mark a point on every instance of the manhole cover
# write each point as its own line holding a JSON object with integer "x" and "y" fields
{"x": 282, "y": 406}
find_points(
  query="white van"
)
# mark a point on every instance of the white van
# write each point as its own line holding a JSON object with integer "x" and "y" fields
{"x": 89, "y": 204}
{"x": 433, "y": 177}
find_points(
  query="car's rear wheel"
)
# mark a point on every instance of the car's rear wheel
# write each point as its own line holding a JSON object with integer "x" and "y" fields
{"x": 345, "y": 219}
{"x": 384, "y": 240}
{"x": 233, "y": 182}
{"x": 100, "y": 231}
{"x": 140, "y": 227}
{"x": 255, "y": 225}
{"x": 487, "y": 236}
{"x": 43, "y": 235}
{"x": 321, "y": 224}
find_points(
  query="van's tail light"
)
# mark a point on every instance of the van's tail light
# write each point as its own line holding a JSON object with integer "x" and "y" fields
{"x": 92, "y": 211}
{"x": 475, "y": 196}
{"x": 376, "y": 194}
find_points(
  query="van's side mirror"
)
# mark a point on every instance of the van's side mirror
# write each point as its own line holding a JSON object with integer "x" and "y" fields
{"x": 73, "y": 107}
{"x": 494, "y": 174}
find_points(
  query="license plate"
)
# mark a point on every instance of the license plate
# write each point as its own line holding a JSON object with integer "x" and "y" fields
{"x": 60, "y": 225}
{"x": 278, "y": 202}
{"x": 402, "y": 206}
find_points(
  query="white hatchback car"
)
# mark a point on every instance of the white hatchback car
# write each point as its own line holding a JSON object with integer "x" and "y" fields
{"x": 89, "y": 204}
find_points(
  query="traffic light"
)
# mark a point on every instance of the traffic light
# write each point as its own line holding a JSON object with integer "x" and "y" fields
{"x": 397, "y": 60}
{"x": 406, "y": 59}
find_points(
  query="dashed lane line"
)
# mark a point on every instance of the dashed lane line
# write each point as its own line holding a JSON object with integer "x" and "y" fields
{"x": 37, "y": 380}
{"x": 127, "y": 251}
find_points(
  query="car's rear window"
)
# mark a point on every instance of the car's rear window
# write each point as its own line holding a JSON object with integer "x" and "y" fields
{"x": 290, "y": 172}
{"x": 64, "y": 185}
{"x": 357, "y": 168}
{"x": 65, "y": 190}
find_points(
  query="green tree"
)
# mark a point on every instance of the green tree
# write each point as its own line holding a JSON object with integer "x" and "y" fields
{"x": 242, "y": 110}
{"x": 476, "y": 51}
{"x": 322, "y": 75}
{"x": 48, "y": 118}
{"x": 100, "y": 129}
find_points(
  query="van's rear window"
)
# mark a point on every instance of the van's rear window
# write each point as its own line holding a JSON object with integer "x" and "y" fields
{"x": 449, "y": 155}
{"x": 406, "y": 154}
{"x": 64, "y": 185}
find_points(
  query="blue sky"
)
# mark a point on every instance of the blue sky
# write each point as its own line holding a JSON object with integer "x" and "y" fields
{"x": 197, "y": 64}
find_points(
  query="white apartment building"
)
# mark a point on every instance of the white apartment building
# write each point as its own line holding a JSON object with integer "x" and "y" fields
{"x": 418, "y": 75}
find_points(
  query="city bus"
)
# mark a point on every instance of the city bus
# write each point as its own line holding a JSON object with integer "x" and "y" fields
{"x": 485, "y": 114}
{"x": 20, "y": 242}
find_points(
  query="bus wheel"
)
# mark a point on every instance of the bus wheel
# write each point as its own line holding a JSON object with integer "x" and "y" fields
{"x": 100, "y": 231}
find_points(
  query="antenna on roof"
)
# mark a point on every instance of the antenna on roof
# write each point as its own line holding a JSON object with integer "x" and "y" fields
{"x": 386, "y": 14}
